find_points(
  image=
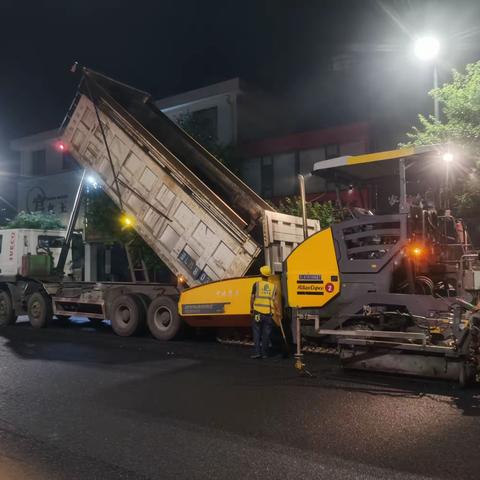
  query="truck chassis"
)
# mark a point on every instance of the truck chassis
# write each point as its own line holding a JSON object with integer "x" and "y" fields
{"x": 129, "y": 306}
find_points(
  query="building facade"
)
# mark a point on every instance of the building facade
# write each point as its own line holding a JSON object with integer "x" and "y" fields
{"x": 232, "y": 112}
{"x": 48, "y": 177}
{"x": 271, "y": 166}
{"x": 215, "y": 106}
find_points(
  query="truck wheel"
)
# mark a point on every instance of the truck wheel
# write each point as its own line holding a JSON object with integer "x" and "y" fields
{"x": 7, "y": 312}
{"x": 163, "y": 320}
{"x": 39, "y": 310}
{"x": 127, "y": 315}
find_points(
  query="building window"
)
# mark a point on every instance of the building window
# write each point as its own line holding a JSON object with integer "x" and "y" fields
{"x": 284, "y": 166}
{"x": 267, "y": 177}
{"x": 332, "y": 151}
{"x": 206, "y": 121}
{"x": 252, "y": 174}
{"x": 307, "y": 159}
{"x": 68, "y": 162}
{"x": 39, "y": 162}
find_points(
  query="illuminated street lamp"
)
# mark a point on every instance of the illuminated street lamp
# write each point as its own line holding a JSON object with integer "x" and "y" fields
{"x": 92, "y": 181}
{"x": 427, "y": 49}
{"x": 448, "y": 157}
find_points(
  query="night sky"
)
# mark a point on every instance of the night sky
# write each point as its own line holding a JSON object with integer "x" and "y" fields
{"x": 283, "y": 47}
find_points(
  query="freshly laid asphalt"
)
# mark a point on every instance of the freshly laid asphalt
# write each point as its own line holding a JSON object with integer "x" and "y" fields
{"x": 81, "y": 403}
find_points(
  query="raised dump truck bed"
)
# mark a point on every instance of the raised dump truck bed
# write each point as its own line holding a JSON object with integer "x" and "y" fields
{"x": 163, "y": 178}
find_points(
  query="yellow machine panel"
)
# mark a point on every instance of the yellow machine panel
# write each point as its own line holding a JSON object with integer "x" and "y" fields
{"x": 312, "y": 272}
{"x": 225, "y": 303}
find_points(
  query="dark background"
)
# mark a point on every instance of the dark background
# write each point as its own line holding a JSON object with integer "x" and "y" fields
{"x": 289, "y": 48}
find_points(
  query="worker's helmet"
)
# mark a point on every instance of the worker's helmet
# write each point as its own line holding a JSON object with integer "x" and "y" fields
{"x": 266, "y": 271}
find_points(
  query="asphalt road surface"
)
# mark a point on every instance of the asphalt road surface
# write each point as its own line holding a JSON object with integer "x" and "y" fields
{"x": 76, "y": 403}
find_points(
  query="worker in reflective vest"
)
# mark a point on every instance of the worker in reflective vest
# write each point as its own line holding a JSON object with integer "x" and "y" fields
{"x": 262, "y": 307}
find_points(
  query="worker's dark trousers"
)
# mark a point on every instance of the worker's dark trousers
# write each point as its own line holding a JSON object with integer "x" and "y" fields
{"x": 262, "y": 331}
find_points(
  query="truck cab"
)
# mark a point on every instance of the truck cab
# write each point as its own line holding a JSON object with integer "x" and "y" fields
{"x": 17, "y": 243}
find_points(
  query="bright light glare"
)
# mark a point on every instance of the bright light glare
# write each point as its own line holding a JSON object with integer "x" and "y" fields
{"x": 92, "y": 181}
{"x": 426, "y": 48}
{"x": 416, "y": 251}
{"x": 60, "y": 146}
{"x": 127, "y": 221}
{"x": 448, "y": 157}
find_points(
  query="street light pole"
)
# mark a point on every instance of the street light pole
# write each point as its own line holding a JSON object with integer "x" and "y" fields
{"x": 427, "y": 49}
{"x": 436, "y": 105}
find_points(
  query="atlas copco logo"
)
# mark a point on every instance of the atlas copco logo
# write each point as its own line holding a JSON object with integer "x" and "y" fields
{"x": 311, "y": 288}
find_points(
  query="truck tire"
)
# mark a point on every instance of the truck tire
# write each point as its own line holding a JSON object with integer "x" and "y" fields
{"x": 7, "y": 312}
{"x": 127, "y": 315}
{"x": 39, "y": 310}
{"x": 163, "y": 320}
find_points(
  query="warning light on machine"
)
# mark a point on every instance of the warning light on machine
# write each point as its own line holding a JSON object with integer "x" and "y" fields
{"x": 416, "y": 251}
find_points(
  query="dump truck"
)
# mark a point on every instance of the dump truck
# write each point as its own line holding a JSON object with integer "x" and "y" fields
{"x": 201, "y": 220}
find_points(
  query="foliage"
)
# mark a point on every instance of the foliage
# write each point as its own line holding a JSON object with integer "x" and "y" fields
{"x": 199, "y": 129}
{"x": 103, "y": 223}
{"x": 326, "y": 212}
{"x": 103, "y": 218}
{"x": 38, "y": 220}
{"x": 460, "y": 125}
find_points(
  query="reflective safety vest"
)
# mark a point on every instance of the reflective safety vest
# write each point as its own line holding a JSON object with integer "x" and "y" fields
{"x": 264, "y": 297}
